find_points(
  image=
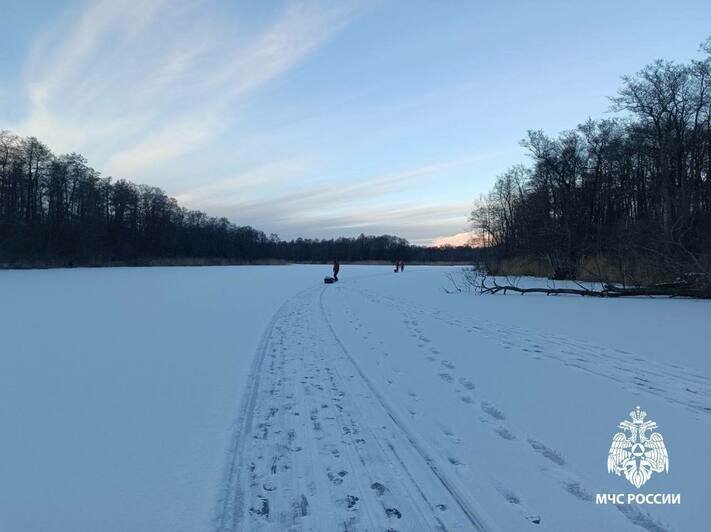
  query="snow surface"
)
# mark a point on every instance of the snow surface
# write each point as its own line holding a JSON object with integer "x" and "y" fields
{"x": 243, "y": 398}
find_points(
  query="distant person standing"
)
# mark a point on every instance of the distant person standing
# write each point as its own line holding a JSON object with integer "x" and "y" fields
{"x": 336, "y": 269}
{"x": 402, "y": 265}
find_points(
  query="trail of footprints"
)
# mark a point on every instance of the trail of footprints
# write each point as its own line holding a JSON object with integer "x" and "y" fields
{"x": 672, "y": 382}
{"x": 464, "y": 387}
{"x": 309, "y": 453}
{"x": 493, "y": 416}
{"x": 308, "y": 444}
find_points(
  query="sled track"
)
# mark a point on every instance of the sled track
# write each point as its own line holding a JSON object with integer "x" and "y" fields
{"x": 474, "y": 519}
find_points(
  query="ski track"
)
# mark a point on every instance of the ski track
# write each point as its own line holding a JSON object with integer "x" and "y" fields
{"x": 318, "y": 446}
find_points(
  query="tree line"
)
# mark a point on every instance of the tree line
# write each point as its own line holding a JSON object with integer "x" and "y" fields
{"x": 58, "y": 211}
{"x": 621, "y": 194}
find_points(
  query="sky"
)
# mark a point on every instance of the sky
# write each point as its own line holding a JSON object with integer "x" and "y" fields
{"x": 321, "y": 119}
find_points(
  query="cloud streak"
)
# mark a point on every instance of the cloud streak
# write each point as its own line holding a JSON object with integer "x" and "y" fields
{"x": 426, "y": 222}
{"x": 324, "y": 207}
{"x": 138, "y": 84}
{"x": 253, "y": 181}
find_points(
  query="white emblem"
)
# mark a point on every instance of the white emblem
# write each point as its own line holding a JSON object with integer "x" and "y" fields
{"x": 635, "y": 454}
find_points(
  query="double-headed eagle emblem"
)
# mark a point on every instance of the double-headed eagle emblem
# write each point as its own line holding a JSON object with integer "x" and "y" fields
{"x": 635, "y": 454}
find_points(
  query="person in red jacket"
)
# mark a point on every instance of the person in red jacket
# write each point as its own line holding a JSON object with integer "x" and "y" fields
{"x": 336, "y": 269}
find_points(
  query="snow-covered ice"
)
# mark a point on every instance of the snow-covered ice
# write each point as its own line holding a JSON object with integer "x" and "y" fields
{"x": 258, "y": 398}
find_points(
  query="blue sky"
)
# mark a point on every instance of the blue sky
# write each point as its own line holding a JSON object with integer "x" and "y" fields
{"x": 321, "y": 119}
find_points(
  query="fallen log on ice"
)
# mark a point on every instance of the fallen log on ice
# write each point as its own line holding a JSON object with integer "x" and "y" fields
{"x": 682, "y": 289}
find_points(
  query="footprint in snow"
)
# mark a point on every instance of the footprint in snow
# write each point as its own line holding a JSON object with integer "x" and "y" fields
{"x": 351, "y": 501}
{"x": 262, "y": 509}
{"x": 378, "y": 488}
{"x": 575, "y": 489}
{"x": 393, "y": 512}
{"x": 505, "y": 433}
{"x": 551, "y": 454}
{"x": 302, "y": 506}
{"x": 451, "y": 435}
{"x": 512, "y": 498}
{"x": 337, "y": 478}
{"x": 492, "y": 411}
{"x": 467, "y": 383}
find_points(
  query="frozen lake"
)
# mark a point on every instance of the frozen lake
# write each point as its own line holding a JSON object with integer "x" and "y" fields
{"x": 257, "y": 397}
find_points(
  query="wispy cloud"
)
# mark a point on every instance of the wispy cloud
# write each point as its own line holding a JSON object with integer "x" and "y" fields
{"x": 321, "y": 196}
{"x": 327, "y": 207}
{"x": 137, "y": 84}
{"x": 422, "y": 223}
{"x": 258, "y": 180}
